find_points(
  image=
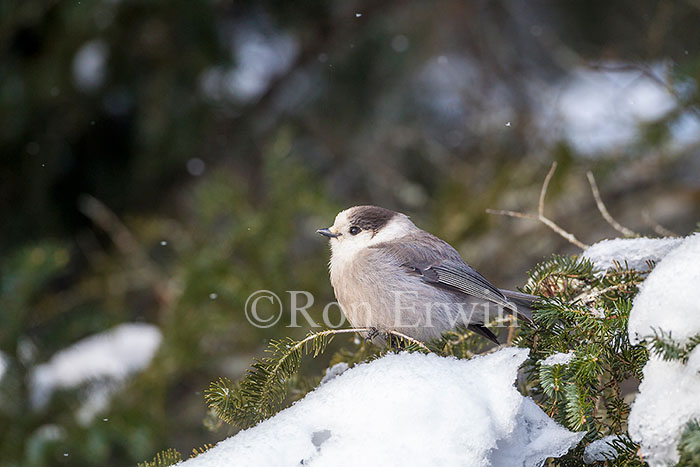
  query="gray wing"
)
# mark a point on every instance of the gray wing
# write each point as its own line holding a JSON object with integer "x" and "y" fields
{"x": 438, "y": 264}
{"x": 463, "y": 278}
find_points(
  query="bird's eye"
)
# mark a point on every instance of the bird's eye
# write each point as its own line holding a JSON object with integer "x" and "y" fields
{"x": 354, "y": 230}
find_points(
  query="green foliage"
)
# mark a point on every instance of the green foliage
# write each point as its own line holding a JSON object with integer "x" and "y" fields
{"x": 263, "y": 390}
{"x": 460, "y": 344}
{"x": 162, "y": 271}
{"x": 689, "y": 445}
{"x": 200, "y": 450}
{"x": 663, "y": 345}
{"x": 163, "y": 459}
{"x": 551, "y": 277}
{"x": 626, "y": 453}
{"x": 585, "y": 312}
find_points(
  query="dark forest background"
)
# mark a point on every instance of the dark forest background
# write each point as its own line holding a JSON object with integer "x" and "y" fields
{"x": 162, "y": 160}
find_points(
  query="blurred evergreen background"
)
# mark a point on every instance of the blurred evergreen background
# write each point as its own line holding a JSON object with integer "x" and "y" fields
{"x": 162, "y": 160}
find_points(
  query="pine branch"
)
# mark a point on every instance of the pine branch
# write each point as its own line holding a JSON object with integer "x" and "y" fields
{"x": 667, "y": 348}
{"x": 200, "y": 450}
{"x": 582, "y": 310}
{"x": 689, "y": 445}
{"x": 224, "y": 398}
{"x": 264, "y": 388}
{"x": 626, "y": 452}
{"x": 578, "y": 407}
{"x": 554, "y": 276}
{"x": 162, "y": 459}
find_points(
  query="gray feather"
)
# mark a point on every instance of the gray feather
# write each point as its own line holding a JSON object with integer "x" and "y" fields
{"x": 523, "y": 301}
{"x": 441, "y": 265}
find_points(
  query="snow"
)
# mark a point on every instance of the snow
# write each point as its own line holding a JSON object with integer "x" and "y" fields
{"x": 406, "y": 409}
{"x": 667, "y": 400}
{"x": 336, "y": 370}
{"x": 635, "y": 251}
{"x": 3, "y": 365}
{"x": 600, "y": 110}
{"x": 600, "y": 450}
{"x": 89, "y": 65}
{"x": 103, "y": 360}
{"x": 400, "y": 43}
{"x": 196, "y": 166}
{"x": 668, "y": 395}
{"x": 261, "y": 54}
{"x": 668, "y": 298}
{"x": 558, "y": 359}
{"x": 685, "y": 132}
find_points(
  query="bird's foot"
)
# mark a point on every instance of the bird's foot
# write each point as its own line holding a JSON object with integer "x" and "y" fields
{"x": 395, "y": 343}
{"x": 373, "y": 332}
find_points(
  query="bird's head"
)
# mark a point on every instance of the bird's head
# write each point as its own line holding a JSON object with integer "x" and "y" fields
{"x": 363, "y": 226}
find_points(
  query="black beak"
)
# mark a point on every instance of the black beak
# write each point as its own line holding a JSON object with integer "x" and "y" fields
{"x": 327, "y": 233}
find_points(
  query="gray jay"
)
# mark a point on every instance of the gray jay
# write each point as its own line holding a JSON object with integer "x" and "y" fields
{"x": 387, "y": 274}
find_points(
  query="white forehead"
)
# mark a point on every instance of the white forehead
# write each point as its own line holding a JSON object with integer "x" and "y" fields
{"x": 342, "y": 218}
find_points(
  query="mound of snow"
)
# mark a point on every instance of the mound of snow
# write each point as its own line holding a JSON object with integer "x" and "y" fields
{"x": 667, "y": 400}
{"x": 669, "y": 300}
{"x": 635, "y": 251}
{"x": 406, "y": 409}
{"x": 103, "y": 360}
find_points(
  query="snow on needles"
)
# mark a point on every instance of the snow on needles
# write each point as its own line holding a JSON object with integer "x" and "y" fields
{"x": 406, "y": 409}
{"x": 668, "y": 301}
{"x": 601, "y": 450}
{"x": 635, "y": 251}
{"x": 103, "y": 360}
{"x": 558, "y": 359}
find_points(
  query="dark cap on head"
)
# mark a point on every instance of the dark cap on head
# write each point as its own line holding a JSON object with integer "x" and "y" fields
{"x": 370, "y": 217}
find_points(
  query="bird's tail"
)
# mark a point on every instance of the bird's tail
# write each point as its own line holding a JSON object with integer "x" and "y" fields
{"x": 523, "y": 302}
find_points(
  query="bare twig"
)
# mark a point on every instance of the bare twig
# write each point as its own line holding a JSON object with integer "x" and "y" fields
{"x": 658, "y": 228}
{"x": 520, "y": 215}
{"x": 571, "y": 238}
{"x": 604, "y": 211}
{"x": 128, "y": 245}
{"x": 545, "y": 186}
{"x": 123, "y": 239}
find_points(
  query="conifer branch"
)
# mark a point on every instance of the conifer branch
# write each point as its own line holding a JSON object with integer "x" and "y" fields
{"x": 689, "y": 445}
{"x": 586, "y": 312}
{"x": 264, "y": 388}
{"x": 163, "y": 459}
{"x": 663, "y": 344}
{"x": 200, "y": 450}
